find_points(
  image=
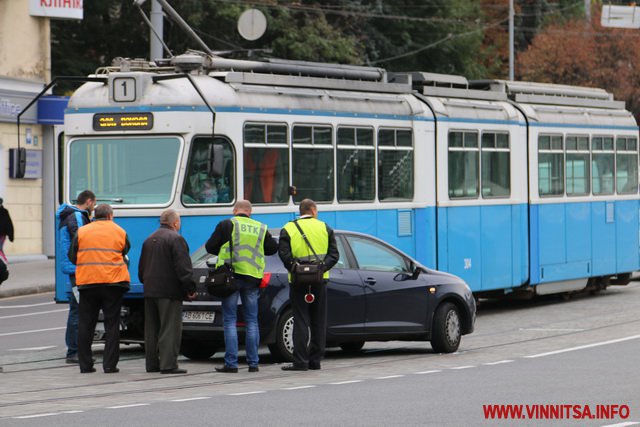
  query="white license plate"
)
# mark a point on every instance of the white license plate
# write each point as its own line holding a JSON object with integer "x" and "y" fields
{"x": 198, "y": 316}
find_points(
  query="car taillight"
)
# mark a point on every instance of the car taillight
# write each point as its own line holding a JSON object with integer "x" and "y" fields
{"x": 265, "y": 280}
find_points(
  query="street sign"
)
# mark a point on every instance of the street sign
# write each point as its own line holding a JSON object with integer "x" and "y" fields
{"x": 620, "y": 16}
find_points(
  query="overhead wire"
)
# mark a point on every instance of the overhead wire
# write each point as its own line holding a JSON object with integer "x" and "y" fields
{"x": 436, "y": 43}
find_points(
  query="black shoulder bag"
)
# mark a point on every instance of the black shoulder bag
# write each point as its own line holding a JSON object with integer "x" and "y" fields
{"x": 221, "y": 281}
{"x": 307, "y": 272}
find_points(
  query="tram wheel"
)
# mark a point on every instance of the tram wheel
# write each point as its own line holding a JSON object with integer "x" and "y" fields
{"x": 352, "y": 347}
{"x": 198, "y": 350}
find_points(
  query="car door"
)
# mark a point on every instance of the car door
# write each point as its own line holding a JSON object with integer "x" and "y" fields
{"x": 395, "y": 303}
{"x": 345, "y": 297}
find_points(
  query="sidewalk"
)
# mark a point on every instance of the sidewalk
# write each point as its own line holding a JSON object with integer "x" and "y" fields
{"x": 29, "y": 277}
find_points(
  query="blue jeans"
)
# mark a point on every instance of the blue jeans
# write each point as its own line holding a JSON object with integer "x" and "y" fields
{"x": 71, "y": 336}
{"x": 248, "y": 293}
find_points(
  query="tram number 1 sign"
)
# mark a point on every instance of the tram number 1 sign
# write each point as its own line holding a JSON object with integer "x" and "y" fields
{"x": 124, "y": 89}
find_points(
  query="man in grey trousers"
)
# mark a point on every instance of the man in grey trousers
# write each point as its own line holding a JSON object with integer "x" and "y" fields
{"x": 165, "y": 270}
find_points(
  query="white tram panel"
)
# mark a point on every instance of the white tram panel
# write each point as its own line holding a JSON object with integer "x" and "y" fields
{"x": 177, "y": 108}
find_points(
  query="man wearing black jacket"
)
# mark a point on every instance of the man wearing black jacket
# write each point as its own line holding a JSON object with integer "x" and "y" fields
{"x": 302, "y": 240}
{"x": 165, "y": 270}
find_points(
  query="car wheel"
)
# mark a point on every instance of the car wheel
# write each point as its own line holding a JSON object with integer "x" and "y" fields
{"x": 445, "y": 336}
{"x": 198, "y": 350}
{"x": 352, "y": 347}
{"x": 282, "y": 349}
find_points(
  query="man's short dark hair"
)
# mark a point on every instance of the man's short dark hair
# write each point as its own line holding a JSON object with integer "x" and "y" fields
{"x": 306, "y": 206}
{"x": 85, "y": 196}
{"x": 169, "y": 216}
{"x": 103, "y": 211}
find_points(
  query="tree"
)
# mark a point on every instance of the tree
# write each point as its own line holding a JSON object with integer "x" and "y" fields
{"x": 587, "y": 55}
{"x": 428, "y": 35}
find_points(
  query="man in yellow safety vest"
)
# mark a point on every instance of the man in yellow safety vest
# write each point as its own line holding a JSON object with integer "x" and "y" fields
{"x": 244, "y": 242}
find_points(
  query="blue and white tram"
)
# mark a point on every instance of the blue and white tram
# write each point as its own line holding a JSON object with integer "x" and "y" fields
{"x": 511, "y": 186}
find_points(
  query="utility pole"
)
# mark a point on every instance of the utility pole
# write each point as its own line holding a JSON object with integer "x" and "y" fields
{"x": 587, "y": 11}
{"x": 155, "y": 45}
{"x": 511, "y": 41}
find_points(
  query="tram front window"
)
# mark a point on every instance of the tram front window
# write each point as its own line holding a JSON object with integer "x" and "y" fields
{"x": 124, "y": 171}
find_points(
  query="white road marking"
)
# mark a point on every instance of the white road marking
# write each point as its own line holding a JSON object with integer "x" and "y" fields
{"x": 34, "y": 314}
{"x": 389, "y": 377}
{"x": 552, "y": 329}
{"x": 299, "y": 387}
{"x": 346, "y": 382}
{"x": 191, "y": 398}
{"x": 433, "y": 371}
{"x": 48, "y": 414}
{"x": 463, "y": 367}
{"x": 33, "y": 348}
{"x": 28, "y": 305}
{"x": 500, "y": 362}
{"x": 32, "y": 331}
{"x": 24, "y": 417}
{"x": 245, "y": 393}
{"x": 128, "y": 406}
{"x": 582, "y": 347}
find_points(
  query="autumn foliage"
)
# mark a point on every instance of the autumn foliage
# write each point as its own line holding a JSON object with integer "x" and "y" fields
{"x": 591, "y": 55}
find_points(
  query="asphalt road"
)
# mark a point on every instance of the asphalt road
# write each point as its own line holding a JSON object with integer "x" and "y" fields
{"x": 572, "y": 357}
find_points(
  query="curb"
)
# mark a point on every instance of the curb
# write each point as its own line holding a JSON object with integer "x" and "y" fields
{"x": 18, "y": 259}
{"x": 26, "y": 290}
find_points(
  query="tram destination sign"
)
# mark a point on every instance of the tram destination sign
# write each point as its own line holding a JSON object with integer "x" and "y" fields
{"x": 122, "y": 121}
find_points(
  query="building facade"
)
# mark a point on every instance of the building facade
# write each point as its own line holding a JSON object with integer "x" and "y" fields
{"x": 25, "y": 68}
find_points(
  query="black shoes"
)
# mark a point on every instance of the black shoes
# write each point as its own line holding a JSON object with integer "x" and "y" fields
{"x": 294, "y": 368}
{"x": 173, "y": 371}
{"x": 314, "y": 366}
{"x": 87, "y": 371}
{"x": 253, "y": 369}
{"x": 153, "y": 370}
{"x": 228, "y": 369}
{"x": 111, "y": 370}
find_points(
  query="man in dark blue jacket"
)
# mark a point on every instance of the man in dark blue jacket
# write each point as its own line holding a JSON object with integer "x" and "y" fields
{"x": 72, "y": 217}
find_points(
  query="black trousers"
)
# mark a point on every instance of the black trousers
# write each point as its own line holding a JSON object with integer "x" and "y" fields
{"x": 309, "y": 318}
{"x": 109, "y": 299}
{"x": 162, "y": 333}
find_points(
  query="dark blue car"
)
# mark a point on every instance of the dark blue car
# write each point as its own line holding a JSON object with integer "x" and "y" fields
{"x": 375, "y": 293}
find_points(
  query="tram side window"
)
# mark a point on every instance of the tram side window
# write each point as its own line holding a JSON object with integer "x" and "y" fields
{"x": 577, "y": 167}
{"x": 626, "y": 165}
{"x": 463, "y": 165}
{"x": 550, "y": 165}
{"x": 395, "y": 164}
{"x": 356, "y": 164}
{"x": 496, "y": 167}
{"x": 602, "y": 164}
{"x": 266, "y": 163}
{"x": 312, "y": 166}
{"x": 200, "y": 186}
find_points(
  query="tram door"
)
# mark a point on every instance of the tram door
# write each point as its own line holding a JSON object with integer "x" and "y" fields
{"x": 482, "y": 203}
{"x": 51, "y": 184}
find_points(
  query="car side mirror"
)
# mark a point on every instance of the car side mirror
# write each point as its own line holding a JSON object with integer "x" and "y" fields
{"x": 416, "y": 272}
{"x": 211, "y": 262}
